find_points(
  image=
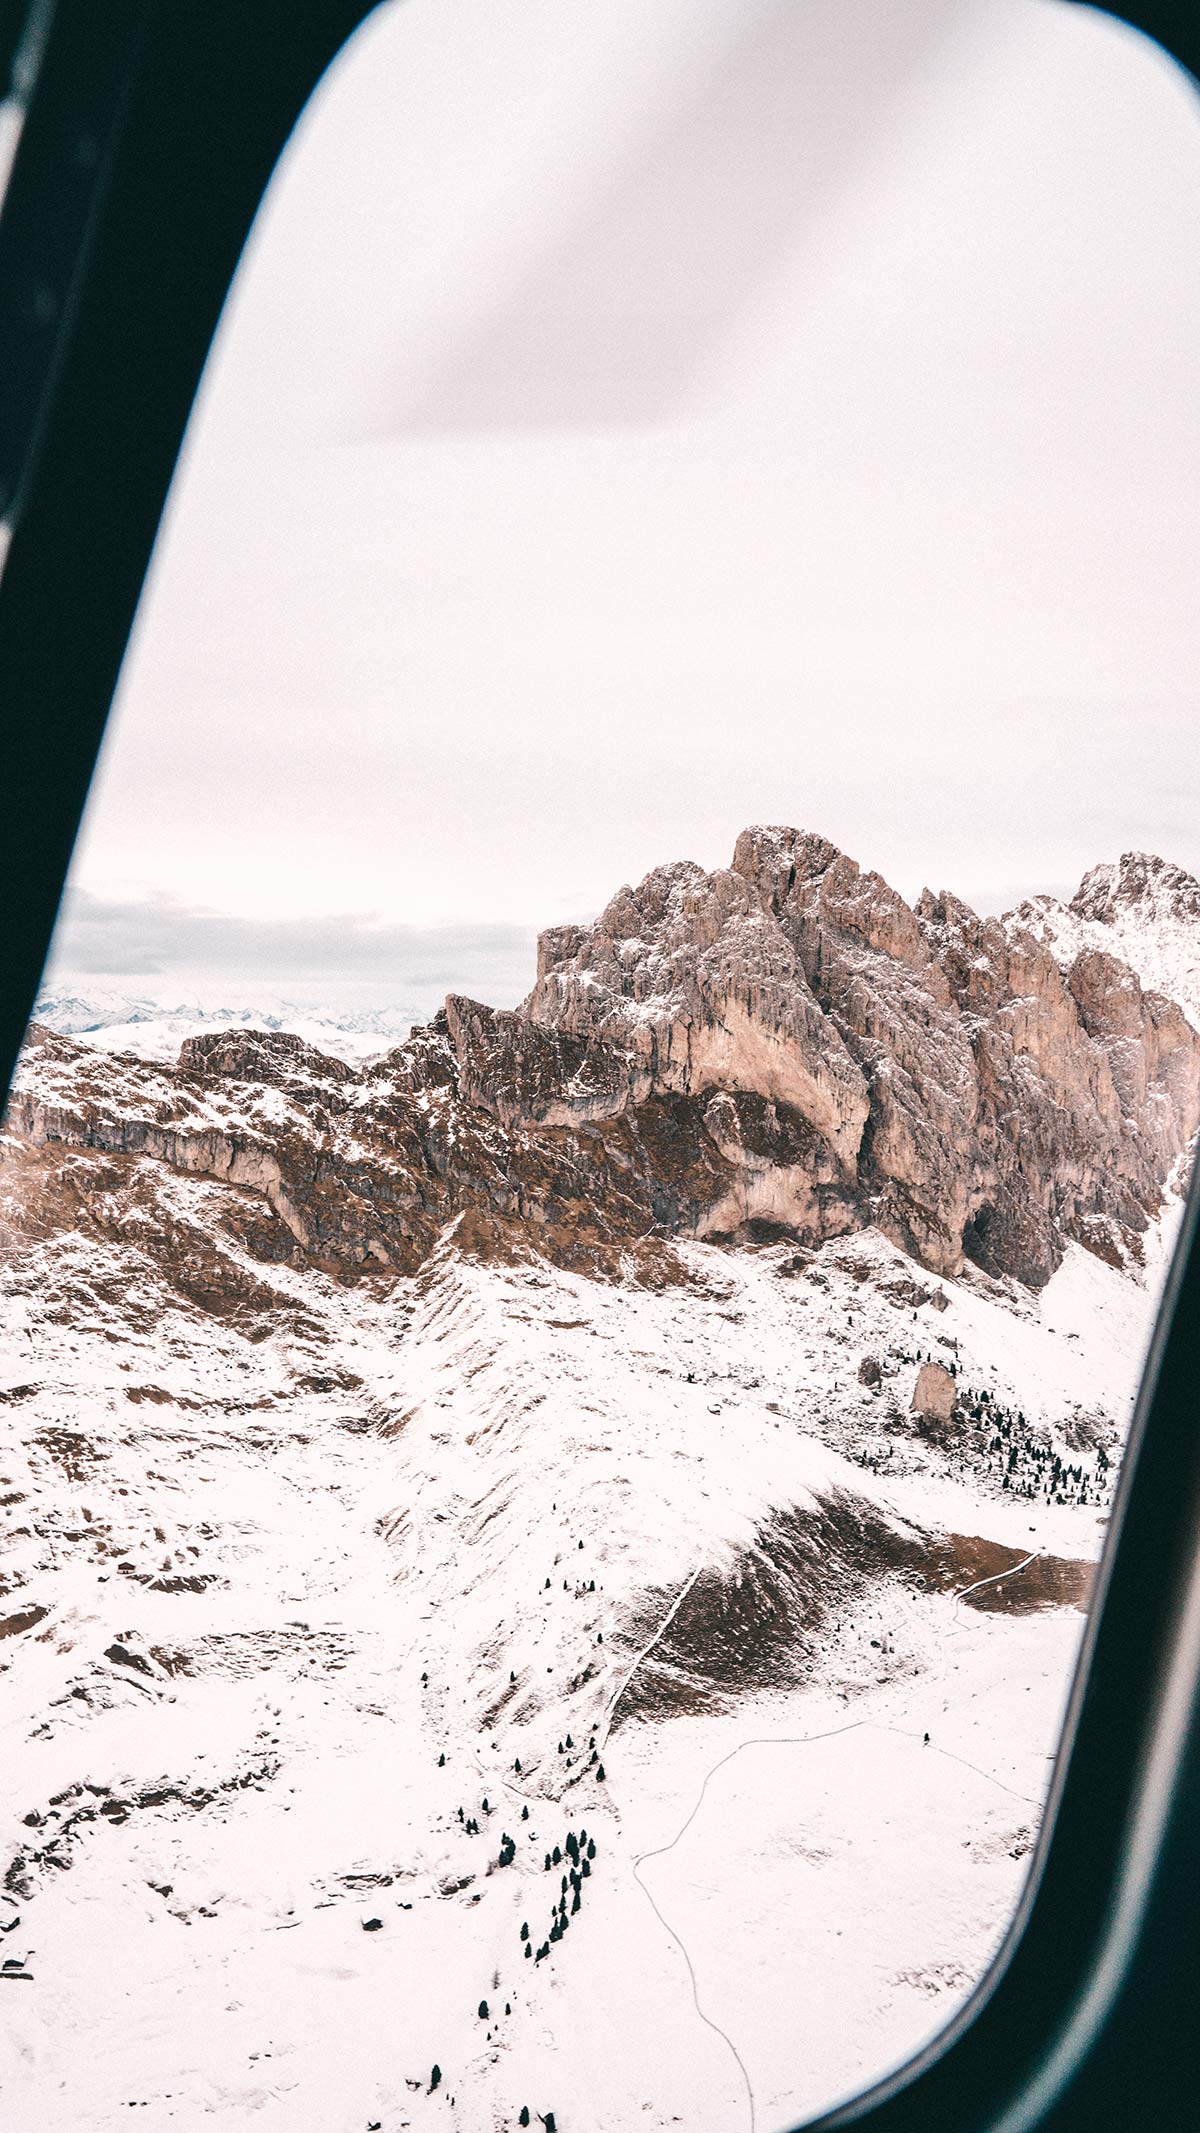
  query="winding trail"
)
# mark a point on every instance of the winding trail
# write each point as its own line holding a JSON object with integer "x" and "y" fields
{"x": 659, "y": 1852}
{"x": 789, "y": 1741}
{"x": 998, "y": 1577}
{"x": 644, "y": 1654}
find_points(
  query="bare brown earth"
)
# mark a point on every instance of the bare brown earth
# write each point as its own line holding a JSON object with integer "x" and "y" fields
{"x": 953, "y": 1564}
{"x": 766, "y": 1622}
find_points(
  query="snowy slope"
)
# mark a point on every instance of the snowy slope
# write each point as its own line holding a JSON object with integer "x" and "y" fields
{"x": 277, "y": 1580}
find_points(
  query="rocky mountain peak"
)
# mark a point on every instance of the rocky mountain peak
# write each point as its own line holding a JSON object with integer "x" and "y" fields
{"x": 260, "y": 1057}
{"x": 785, "y": 1041}
{"x": 1139, "y": 908}
{"x": 1137, "y": 879}
{"x": 694, "y": 980}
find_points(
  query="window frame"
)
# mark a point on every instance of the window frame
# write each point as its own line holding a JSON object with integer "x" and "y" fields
{"x": 151, "y": 134}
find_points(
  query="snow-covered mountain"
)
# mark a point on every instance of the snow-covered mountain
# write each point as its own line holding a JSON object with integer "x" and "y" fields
{"x": 1140, "y": 909}
{"x": 153, "y": 1027}
{"x": 555, "y": 1556}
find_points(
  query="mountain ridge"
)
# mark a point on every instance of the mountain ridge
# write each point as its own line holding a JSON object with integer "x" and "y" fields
{"x": 1141, "y": 908}
{"x": 784, "y": 1042}
{"x": 408, "y": 1469}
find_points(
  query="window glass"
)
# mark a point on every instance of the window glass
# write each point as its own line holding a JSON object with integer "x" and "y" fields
{"x": 585, "y": 1200}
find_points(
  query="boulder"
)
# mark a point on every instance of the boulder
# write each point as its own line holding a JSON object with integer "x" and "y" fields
{"x": 934, "y": 1393}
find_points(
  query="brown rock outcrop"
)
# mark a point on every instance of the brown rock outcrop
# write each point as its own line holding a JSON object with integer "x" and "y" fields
{"x": 785, "y": 1042}
{"x": 934, "y": 1393}
{"x": 693, "y": 981}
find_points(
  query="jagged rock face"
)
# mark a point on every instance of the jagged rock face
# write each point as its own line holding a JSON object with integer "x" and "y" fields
{"x": 1134, "y": 881}
{"x": 783, "y": 1042}
{"x": 992, "y": 1106}
{"x": 522, "y": 1073}
{"x": 694, "y": 982}
{"x": 881, "y": 988}
{"x": 1048, "y": 1120}
{"x": 1087, "y": 1089}
{"x": 1141, "y": 910}
{"x": 354, "y": 1173}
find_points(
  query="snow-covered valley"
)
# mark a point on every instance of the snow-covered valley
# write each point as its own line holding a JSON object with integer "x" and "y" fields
{"x": 276, "y": 1584}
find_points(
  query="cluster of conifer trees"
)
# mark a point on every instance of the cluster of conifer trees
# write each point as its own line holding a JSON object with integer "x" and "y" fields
{"x": 1027, "y": 1463}
{"x": 576, "y": 1854}
{"x": 1024, "y": 1462}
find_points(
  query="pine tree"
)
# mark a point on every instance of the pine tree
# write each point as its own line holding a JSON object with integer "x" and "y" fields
{"x": 576, "y": 1902}
{"x": 525, "y": 1814}
{"x": 441, "y": 1762}
{"x": 600, "y": 1773}
{"x": 523, "y": 2120}
{"x": 549, "y": 2123}
{"x": 525, "y": 1930}
{"x": 435, "y": 2077}
{"x": 483, "y": 2010}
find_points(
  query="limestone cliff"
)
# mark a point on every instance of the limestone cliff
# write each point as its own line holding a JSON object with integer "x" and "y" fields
{"x": 785, "y": 1042}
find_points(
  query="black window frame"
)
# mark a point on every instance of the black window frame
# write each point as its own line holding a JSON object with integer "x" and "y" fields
{"x": 151, "y": 133}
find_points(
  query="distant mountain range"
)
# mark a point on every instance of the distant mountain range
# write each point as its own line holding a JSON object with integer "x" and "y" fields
{"x": 151, "y": 1028}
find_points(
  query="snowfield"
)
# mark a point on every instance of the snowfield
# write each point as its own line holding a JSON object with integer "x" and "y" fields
{"x": 316, "y": 1647}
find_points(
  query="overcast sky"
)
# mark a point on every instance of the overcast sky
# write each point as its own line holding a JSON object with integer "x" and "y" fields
{"x": 635, "y": 421}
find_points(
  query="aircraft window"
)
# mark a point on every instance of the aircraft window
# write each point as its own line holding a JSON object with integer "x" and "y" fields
{"x": 21, "y": 71}
{"x": 546, "y": 1553}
